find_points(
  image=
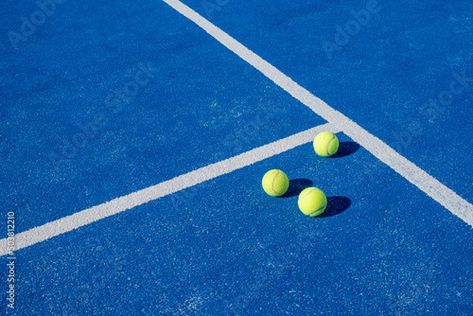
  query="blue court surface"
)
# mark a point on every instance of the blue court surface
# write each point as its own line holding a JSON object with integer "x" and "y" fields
{"x": 134, "y": 136}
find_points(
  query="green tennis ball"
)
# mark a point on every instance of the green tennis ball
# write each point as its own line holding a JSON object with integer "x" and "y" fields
{"x": 326, "y": 144}
{"x": 312, "y": 201}
{"x": 275, "y": 182}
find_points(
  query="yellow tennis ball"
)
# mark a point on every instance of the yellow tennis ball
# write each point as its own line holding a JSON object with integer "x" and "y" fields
{"x": 275, "y": 182}
{"x": 326, "y": 144}
{"x": 312, "y": 201}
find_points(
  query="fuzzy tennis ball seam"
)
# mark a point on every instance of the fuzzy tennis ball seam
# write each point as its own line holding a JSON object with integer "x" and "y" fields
{"x": 305, "y": 193}
{"x": 329, "y": 145}
{"x": 318, "y": 212}
{"x": 274, "y": 180}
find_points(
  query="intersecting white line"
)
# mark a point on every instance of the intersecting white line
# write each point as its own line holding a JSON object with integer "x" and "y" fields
{"x": 123, "y": 203}
{"x": 415, "y": 175}
{"x": 336, "y": 122}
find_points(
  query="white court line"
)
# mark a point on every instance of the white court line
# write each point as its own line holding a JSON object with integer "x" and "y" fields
{"x": 418, "y": 177}
{"x": 338, "y": 122}
{"x": 126, "y": 202}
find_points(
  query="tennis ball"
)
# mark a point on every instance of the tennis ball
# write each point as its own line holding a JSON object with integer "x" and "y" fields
{"x": 326, "y": 144}
{"x": 275, "y": 182}
{"x": 312, "y": 201}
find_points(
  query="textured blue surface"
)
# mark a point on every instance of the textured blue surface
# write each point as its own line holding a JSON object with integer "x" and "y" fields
{"x": 239, "y": 251}
{"x": 64, "y": 130}
{"x": 383, "y": 75}
{"x": 224, "y": 247}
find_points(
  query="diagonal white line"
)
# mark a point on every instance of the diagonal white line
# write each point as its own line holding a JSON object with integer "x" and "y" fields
{"x": 415, "y": 175}
{"x": 123, "y": 203}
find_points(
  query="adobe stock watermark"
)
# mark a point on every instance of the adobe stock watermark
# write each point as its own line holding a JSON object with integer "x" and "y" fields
{"x": 30, "y": 24}
{"x": 212, "y": 6}
{"x": 345, "y": 32}
{"x": 432, "y": 109}
{"x": 11, "y": 261}
{"x": 243, "y": 138}
{"x": 114, "y": 104}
